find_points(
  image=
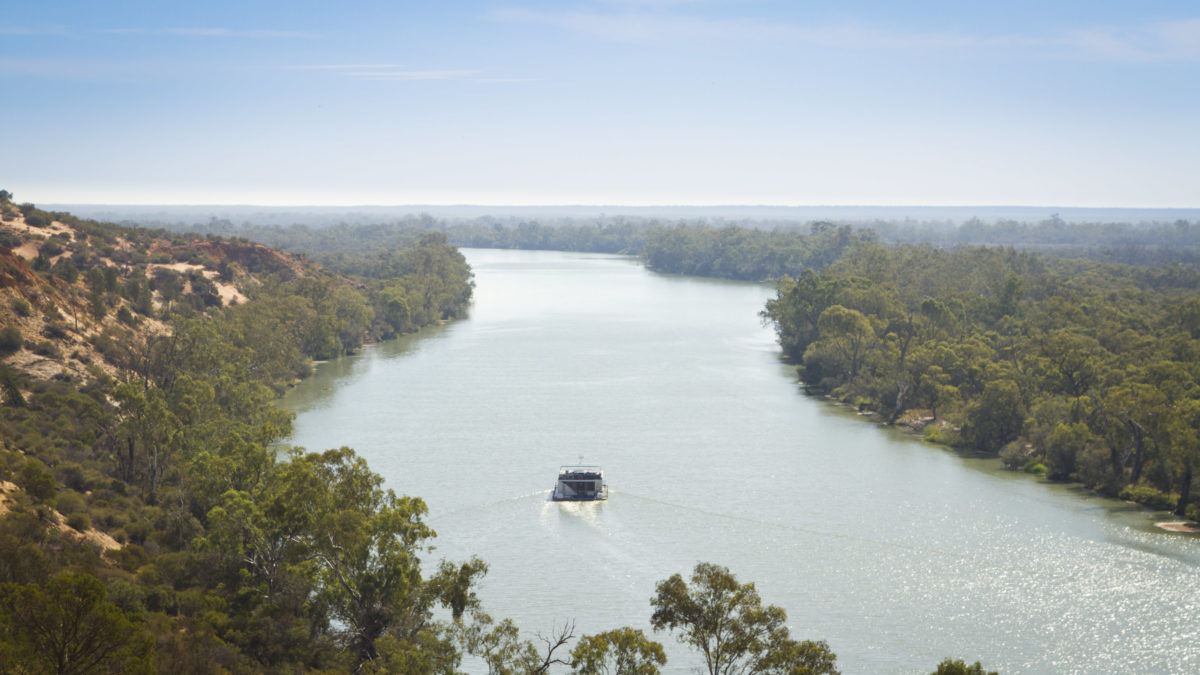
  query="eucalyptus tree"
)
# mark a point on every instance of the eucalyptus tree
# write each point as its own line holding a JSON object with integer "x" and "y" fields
{"x": 731, "y": 627}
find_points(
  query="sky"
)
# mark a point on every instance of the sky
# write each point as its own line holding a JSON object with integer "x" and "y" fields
{"x": 640, "y": 102}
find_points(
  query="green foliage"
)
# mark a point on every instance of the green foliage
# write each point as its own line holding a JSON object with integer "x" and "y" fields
{"x": 37, "y": 480}
{"x": 622, "y": 651}
{"x": 1149, "y": 496}
{"x": 1065, "y": 446}
{"x": 70, "y": 626}
{"x": 64, "y": 268}
{"x": 70, "y": 502}
{"x": 743, "y": 253}
{"x": 431, "y": 652}
{"x": 10, "y": 340}
{"x": 996, "y": 419}
{"x": 236, "y": 557}
{"x": 728, "y": 623}
{"x": 10, "y": 389}
{"x": 79, "y": 521}
{"x": 950, "y": 666}
{"x": 1082, "y": 370}
{"x": 499, "y": 645}
{"x": 693, "y": 248}
{"x": 22, "y": 308}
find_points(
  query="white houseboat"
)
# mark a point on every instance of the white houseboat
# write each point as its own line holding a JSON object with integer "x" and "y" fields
{"x": 580, "y": 483}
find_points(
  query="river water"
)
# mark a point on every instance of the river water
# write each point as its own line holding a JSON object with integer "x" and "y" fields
{"x": 897, "y": 552}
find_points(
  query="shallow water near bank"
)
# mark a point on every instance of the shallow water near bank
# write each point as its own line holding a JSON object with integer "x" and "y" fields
{"x": 897, "y": 552}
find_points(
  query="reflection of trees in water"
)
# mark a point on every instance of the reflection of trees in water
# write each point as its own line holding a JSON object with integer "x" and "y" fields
{"x": 329, "y": 376}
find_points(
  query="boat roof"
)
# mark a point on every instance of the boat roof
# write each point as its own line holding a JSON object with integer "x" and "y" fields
{"x": 579, "y": 467}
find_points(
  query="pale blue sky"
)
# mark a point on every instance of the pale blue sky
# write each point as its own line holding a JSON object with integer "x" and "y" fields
{"x": 1067, "y": 103}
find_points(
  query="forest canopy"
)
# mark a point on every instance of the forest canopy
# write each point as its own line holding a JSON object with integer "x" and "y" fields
{"x": 1080, "y": 370}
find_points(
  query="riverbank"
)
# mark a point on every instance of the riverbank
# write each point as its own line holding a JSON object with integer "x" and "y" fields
{"x": 916, "y": 425}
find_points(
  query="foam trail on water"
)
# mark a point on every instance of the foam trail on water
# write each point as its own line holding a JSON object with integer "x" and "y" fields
{"x": 487, "y": 506}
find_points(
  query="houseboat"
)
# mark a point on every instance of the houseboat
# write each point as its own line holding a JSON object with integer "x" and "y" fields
{"x": 580, "y": 483}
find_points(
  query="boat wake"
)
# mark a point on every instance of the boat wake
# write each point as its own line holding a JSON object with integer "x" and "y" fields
{"x": 487, "y": 506}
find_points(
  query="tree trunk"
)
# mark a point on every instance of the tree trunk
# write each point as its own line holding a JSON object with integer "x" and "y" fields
{"x": 153, "y": 497}
{"x": 130, "y": 461}
{"x": 1139, "y": 454}
{"x": 1117, "y": 459}
{"x": 901, "y": 402}
{"x": 1185, "y": 491}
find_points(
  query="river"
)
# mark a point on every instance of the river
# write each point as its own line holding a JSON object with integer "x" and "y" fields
{"x": 897, "y": 552}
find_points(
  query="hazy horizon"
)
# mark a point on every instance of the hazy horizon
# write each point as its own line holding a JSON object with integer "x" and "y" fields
{"x": 865, "y": 214}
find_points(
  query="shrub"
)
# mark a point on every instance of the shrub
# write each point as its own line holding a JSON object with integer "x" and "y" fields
{"x": 1095, "y": 470}
{"x": 138, "y": 531}
{"x": 72, "y": 476}
{"x": 55, "y": 331}
{"x": 1036, "y": 468}
{"x": 47, "y": 349}
{"x": 1015, "y": 455}
{"x": 130, "y": 557}
{"x": 36, "y": 480}
{"x": 70, "y": 502}
{"x": 10, "y": 340}
{"x": 126, "y": 595}
{"x": 79, "y": 521}
{"x": 50, "y": 248}
{"x": 22, "y": 307}
{"x": 66, "y": 270}
{"x": 108, "y": 519}
{"x": 1149, "y": 496}
{"x": 950, "y": 666}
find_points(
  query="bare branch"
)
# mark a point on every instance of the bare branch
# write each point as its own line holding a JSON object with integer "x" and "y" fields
{"x": 556, "y": 640}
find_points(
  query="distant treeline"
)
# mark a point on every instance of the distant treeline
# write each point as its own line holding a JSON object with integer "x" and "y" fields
{"x": 1139, "y": 244}
{"x": 729, "y": 252}
{"x": 763, "y": 249}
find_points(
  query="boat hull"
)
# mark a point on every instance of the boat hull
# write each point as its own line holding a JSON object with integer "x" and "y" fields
{"x": 600, "y": 496}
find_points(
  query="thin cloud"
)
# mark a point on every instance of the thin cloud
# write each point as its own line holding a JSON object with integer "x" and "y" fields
{"x": 32, "y": 30}
{"x": 1177, "y": 40}
{"x": 640, "y": 26}
{"x": 212, "y": 32}
{"x": 346, "y": 66}
{"x": 67, "y": 68}
{"x": 646, "y": 26}
{"x": 393, "y": 72}
{"x": 396, "y": 75}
